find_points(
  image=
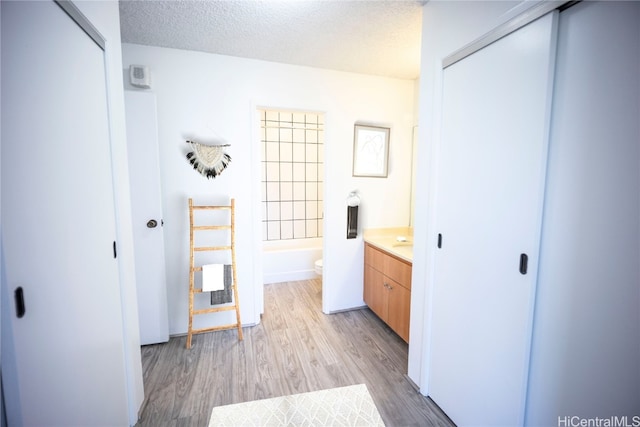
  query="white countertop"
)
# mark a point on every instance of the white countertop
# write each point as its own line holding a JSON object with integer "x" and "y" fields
{"x": 386, "y": 239}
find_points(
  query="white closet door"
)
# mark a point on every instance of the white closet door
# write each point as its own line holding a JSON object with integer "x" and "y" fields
{"x": 489, "y": 203}
{"x": 58, "y": 224}
{"x": 586, "y": 349}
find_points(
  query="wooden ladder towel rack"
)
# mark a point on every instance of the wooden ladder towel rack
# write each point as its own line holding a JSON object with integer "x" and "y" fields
{"x": 235, "y": 305}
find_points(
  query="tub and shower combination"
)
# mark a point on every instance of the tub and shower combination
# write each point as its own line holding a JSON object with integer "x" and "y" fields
{"x": 292, "y": 172}
{"x": 294, "y": 259}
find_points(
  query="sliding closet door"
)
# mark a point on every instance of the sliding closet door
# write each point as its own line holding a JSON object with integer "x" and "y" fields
{"x": 489, "y": 201}
{"x": 58, "y": 225}
{"x": 586, "y": 348}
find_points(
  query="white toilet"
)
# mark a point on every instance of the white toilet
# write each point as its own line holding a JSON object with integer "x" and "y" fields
{"x": 318, "y": 267}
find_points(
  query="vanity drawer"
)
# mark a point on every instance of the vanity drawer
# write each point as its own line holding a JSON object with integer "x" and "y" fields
{"x": 374, "y": 257}
{"x": 397, "y": 270}
{"x": 391, "y": 266}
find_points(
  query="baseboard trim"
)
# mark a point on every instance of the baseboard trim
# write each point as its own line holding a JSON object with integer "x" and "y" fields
{"x": 414, "y": 385}
{"x": 184, "y": 334}
{"x": 348, "y": 309}
{"x": 289, "y": 276}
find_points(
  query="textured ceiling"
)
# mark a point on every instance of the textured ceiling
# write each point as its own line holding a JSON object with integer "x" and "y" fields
{"x": 365, "y": 36}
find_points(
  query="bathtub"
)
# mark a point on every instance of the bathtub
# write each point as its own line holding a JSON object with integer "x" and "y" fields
{"x": 288, "y": 260}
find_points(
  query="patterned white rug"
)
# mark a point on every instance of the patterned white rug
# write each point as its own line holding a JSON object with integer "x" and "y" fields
{"x": 343, "y": 406}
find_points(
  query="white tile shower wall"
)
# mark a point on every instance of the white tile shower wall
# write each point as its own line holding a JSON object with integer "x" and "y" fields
{"x": 292, "y": 145}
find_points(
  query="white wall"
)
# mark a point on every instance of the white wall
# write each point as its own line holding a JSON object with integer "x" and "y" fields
{"x": 217, "y": 96}
{"x": 446, "y": 27}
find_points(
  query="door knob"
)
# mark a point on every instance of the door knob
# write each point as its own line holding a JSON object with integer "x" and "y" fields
{"x": 152, "y": 223}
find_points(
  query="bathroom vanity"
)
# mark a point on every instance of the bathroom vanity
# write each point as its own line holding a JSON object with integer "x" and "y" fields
{"x": 387, "y": 279}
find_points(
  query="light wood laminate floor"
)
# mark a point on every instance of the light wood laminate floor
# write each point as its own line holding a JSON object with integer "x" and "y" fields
{"x": 295, "y": 349}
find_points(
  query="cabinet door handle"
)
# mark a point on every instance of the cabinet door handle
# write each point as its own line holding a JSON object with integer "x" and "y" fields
{"x": 19, "y": 297}
{"x": 439, "y": 241}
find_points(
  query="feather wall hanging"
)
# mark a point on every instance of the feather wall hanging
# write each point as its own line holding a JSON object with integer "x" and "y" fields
{"x": 209, "y": 160}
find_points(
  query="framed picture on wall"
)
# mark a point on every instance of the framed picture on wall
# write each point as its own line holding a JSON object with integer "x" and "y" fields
{"x": 370, "y": 151}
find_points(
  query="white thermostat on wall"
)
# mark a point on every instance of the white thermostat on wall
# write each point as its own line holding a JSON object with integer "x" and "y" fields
{"x": 139, "y": 76}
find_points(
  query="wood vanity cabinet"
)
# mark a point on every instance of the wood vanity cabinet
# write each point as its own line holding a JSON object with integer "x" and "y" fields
{"x": 387, "y": 288}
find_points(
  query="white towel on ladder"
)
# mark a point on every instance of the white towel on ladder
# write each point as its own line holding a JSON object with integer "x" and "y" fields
{"x": 212, "y": 277}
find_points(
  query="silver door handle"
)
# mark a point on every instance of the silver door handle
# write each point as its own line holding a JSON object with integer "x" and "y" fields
{"x": 152, "y": 223}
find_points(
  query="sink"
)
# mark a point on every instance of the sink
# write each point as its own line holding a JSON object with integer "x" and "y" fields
{"x": 395, "y": 245}
{"x": 395, "y": 241}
